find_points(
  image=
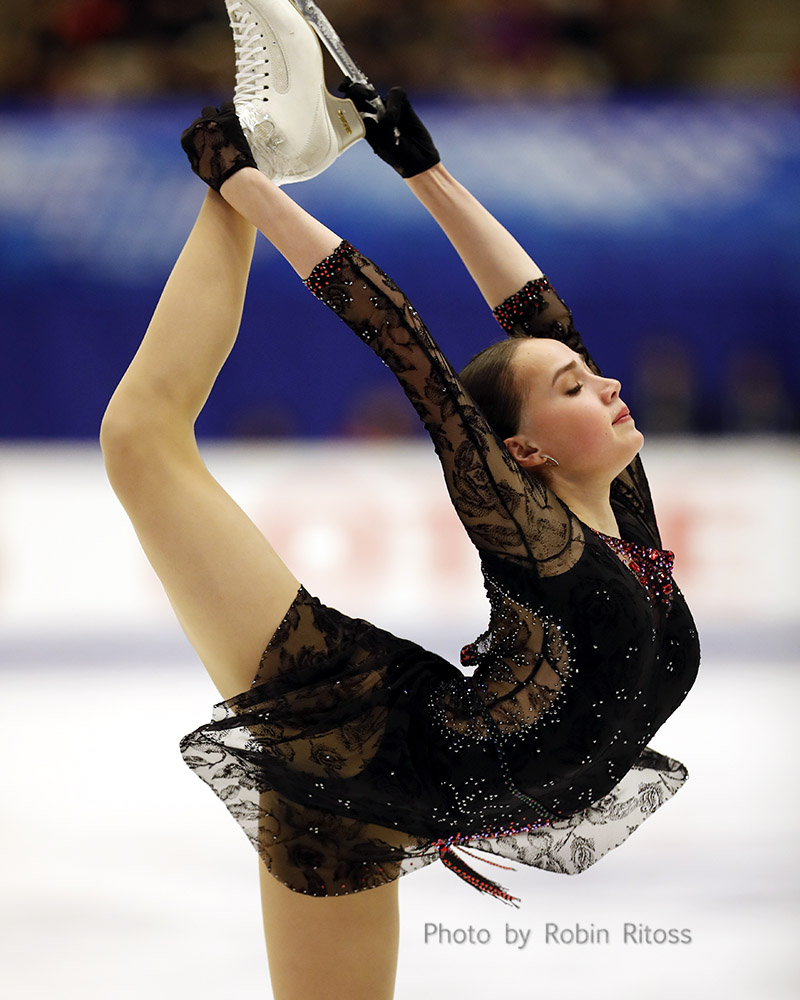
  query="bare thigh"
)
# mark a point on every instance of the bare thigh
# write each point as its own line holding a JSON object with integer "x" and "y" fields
{"x": 227, "y": 585}
{"x": 337, "y": 947}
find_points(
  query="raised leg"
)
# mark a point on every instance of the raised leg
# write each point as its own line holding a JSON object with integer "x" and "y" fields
{"x": 228, "y": 587}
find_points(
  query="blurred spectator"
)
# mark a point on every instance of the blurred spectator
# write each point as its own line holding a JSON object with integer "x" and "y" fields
{"x": 378, "y": 412}
{"x": 112, "y": 49}
{"x": 664, "y": 395}
{"x": 755, "y": 395}
{"x": 262, "y": 420}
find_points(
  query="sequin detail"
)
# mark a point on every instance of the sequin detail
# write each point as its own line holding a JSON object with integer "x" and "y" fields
{"x": 329, "y": 268}
{"x": 519, "y": 307}
{"x": 651, "y": 567}
{"x": 445, "y": 849}
{"x": 458, "y": 866}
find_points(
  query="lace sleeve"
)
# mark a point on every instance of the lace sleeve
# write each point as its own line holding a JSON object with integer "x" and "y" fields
{"x": 503, "y": 511}
{"x": 537, "y": 311}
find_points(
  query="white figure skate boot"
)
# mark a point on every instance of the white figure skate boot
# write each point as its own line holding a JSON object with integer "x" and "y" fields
{"x": 295, "y": 128}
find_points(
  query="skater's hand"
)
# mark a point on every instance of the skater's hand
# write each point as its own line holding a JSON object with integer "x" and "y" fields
{"x": 397, "y": 135}
{"x": 216, "y": 145}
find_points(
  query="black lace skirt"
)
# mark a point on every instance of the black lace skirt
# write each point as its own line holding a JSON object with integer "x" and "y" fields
{"x": 339, "y": 767}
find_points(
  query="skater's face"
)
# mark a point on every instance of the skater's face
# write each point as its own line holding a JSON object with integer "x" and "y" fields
{"x": 570, "y": 414}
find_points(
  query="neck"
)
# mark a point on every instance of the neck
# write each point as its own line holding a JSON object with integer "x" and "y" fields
{"x": 588, "y": 501}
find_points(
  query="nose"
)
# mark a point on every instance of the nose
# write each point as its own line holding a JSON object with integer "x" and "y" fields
{"x": 611, "y": 389}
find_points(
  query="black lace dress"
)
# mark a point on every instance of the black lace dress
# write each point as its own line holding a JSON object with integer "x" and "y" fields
{"x": 357, "y": 756}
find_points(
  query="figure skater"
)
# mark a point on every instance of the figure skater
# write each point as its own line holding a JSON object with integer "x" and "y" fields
{"x": 350, "y": 756}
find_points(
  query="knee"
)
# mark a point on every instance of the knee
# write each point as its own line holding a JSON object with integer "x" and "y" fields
{"x": 134, "y": 438}
{"x": 121, "y": 443}
{"x": 123, "y": 425}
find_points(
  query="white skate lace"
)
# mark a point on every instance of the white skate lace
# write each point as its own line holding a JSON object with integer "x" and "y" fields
{"x": 275, "y": 156}
{"x": 251, "y": 61}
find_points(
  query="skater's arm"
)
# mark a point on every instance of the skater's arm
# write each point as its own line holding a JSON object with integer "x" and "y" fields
{"x": 298, "y": 236}
{"x": 488, "y": 491}
{"x": 220, "y": 155}
{"x": 494, "y": 499}
{"x": 496, "y": 261}
{"x": 522, "y": 299}
{"x": 498, "y": 264}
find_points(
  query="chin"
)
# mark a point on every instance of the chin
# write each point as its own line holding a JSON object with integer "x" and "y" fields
{"x": 637, "y": 440}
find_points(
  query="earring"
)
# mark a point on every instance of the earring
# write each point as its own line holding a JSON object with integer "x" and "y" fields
{"x": 548, "y": 460}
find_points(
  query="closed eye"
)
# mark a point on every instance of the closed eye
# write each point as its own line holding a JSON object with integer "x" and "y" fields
{"x": 569, "y": 366}
{"x": 575, "y": 390}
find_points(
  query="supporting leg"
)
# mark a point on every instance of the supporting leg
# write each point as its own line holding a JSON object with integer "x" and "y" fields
{"x": 340, "y": 948}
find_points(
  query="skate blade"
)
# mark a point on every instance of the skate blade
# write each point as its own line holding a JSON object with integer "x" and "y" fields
{"x": 333, "y": 43}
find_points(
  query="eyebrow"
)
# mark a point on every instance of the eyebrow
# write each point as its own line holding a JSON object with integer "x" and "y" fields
{"x": 562, "y": 370}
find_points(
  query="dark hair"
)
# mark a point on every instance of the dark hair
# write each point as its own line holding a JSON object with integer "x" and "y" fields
{"x": 489, "y": 379}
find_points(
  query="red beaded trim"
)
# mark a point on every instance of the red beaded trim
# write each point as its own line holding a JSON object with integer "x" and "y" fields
{"x": 457, "y": 865}
{"x": 329, "y": 268}
{"x": 445, "y": 846}
{"x": 509, "y": 831}
{"x": 517, "y": 305}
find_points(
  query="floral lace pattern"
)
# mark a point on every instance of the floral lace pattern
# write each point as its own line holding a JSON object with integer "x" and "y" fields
{"x": 216, "y": 145}
{"x": 357, "y": 756}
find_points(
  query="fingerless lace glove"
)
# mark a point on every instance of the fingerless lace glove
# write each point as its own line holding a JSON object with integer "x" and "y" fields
{"x": 216, "y": 146}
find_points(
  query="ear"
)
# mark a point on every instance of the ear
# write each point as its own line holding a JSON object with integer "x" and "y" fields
{"x": 524, "y": 452}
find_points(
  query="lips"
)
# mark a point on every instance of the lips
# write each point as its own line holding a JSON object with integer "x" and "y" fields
{"x": 624, "y": 412}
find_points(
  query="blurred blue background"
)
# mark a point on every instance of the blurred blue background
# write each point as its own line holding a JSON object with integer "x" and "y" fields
{"x": 648, "y": 155}
{"x": 670, "y": 225}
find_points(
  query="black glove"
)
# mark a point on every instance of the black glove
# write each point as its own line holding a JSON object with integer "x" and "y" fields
{"x": 216, "y": 146}
{"x": 397, "y": 135}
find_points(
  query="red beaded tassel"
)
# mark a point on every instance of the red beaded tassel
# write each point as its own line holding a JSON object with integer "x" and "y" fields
{"x": 463, "y": 870}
